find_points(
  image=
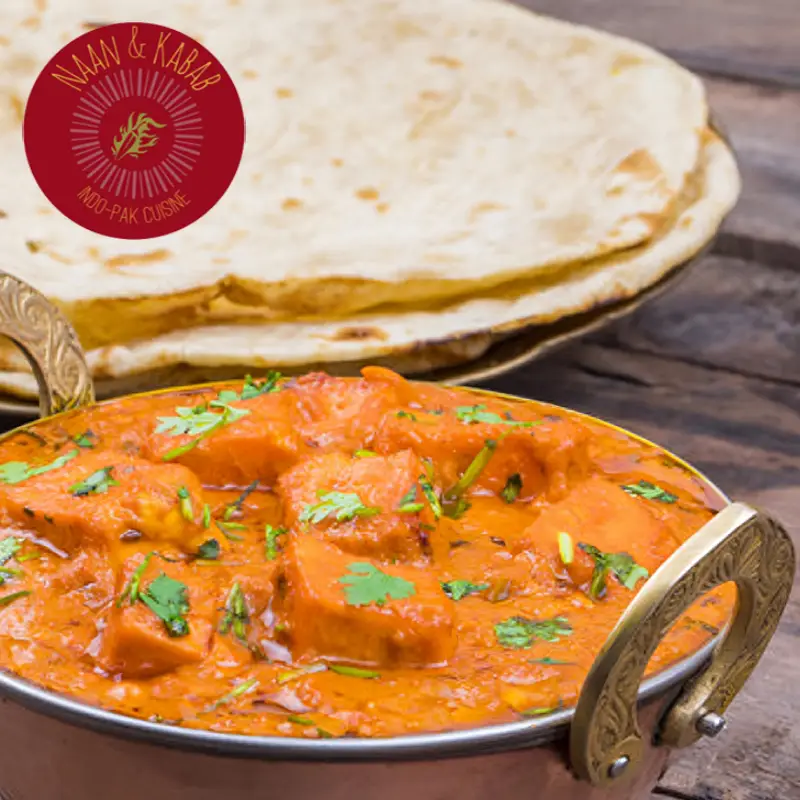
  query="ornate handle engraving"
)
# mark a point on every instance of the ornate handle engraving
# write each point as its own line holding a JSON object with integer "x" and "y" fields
{"x": 741, "y": 545}
{"x": 49, "y": 343}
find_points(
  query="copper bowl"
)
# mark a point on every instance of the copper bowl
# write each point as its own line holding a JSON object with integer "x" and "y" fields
{"x": 613, "y": 745}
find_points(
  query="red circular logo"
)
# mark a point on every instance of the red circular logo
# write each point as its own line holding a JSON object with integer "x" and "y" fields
{"x": 134, "y": 130}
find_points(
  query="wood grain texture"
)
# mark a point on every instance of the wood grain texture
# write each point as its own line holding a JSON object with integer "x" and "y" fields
{"x": 754, "y": 40}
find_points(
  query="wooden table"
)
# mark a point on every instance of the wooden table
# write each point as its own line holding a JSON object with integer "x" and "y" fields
{"x": 712, "y": 368}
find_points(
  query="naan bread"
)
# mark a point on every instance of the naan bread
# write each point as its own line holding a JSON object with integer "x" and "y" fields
{"x": 398, "y": 151}
{"x": 419, "y": 340}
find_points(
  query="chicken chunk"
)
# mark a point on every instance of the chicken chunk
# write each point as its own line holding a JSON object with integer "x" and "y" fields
{"x": 545, "y": 454}
{"x": 351, "y": 610}
{"x": 138, "y": 641}
{"x": 93, "y": 497}
{"x": 367, "y": 506}
{"x": 257, "y": 438}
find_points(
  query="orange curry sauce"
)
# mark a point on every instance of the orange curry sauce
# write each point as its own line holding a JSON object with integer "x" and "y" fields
{"x": 321, "y": 556}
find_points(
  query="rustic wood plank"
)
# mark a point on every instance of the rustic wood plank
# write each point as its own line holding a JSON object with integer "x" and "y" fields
{"x": 730, "y": 38}
{"x": 725, "y": 313}
{"x": 762, "y": 124}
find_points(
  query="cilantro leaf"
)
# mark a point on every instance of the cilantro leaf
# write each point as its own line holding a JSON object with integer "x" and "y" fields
{"x": 198, "y": 421}
{"x": 341, "y": 506}
{"x": 98, "y": 482}
{"x": 512, "y": 488}
{"x": 18, "y": 471}
{"x": 649, "y": 491}
{"x": 621, "y": 565}
{"x": 236, "y": 614}
{"x": 84, "y": 439}
{"x": 458, "y": 589}
{"x": 166, "y": 598}
{"x": 209, "y": 550}
{"x": 368, "y": 585}
{"x": 9, "y": 547}
{"x": 252, "y": 388}
{"x": 518, "y": 633}
{"x": 475, "y": 414}
{"x": 271, "y": 545}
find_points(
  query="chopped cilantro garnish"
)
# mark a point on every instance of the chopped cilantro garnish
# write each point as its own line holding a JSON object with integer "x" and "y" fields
{"x": 431, "y": 496}
{"x": 475, "y": 414}
{"x": 293, "y": 675}
{"x": 458, "y": 589}
{"x": 236, "y": 615}
{"x": 252, "y": 388}
{"x": 649, "y": 491}
{"x": 512, "y": 488}
{"x": 99, "y": 482}
{"x": 198, "y": 421}
{"x": 353, "y": 672}
{"x": 236, "y": 506}
{"x": 166, "y": 598}
{"x": 518, "y": 633}
{"x": 9, "y": 547}
{"x": 243, "y": 688}
{"x": 622, "y": 565}
{"x": 408, "y": 502}
{"x": 453, "y": 503}
{"x": 7, "y": 599}
{"x": 406, "y": 415}
{"x": 209, "y": 550}
{"x": 18, "y": 471}
{"x": 368, "y": 585}
{"x": 299, "y": 720}
{"x": 131, "y": 590}
{"x": 551, "y": 661}
{"x": 271, "y": 536}
{"x": 84, "y": 439}
{"x": 538, "y": 712}
{"x": 225, "y": 530}
{"x": 365, "y": 454}
{"x": 340, "y": 505}
{"x": 185, "y": 502}
{"x": 565, "y": 548}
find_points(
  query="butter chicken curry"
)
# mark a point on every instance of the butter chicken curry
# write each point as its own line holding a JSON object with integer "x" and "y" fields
{"x": 323, "y": 557}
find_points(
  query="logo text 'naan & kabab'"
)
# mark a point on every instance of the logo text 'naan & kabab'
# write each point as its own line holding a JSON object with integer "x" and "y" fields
{"x": 134, "y": 130}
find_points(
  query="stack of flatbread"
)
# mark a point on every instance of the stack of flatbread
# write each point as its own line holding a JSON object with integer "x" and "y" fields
{"x": 420, "y": 177}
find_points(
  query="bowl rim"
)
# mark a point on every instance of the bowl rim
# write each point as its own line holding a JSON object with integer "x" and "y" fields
{"x": 481, "y": 740}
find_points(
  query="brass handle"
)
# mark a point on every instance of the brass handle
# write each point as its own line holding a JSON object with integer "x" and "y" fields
{"x": 739, "y": 544}
{"x": 50, "y": 344}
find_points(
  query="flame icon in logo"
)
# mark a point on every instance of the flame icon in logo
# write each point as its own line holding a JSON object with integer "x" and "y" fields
{"x": 135, "y": 138}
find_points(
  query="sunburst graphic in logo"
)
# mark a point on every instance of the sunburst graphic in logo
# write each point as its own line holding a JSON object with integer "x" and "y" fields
{"x": 106, "y": 164}
{"x": 135, "y": 138}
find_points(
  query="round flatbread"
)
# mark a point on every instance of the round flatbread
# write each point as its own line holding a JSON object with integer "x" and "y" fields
{"x": 415, "y": 341}
{"x": 404, "y": 152}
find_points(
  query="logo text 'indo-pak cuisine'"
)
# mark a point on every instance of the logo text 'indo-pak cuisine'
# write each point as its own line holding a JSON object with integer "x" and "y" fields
{"x": 134, "y": 130}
